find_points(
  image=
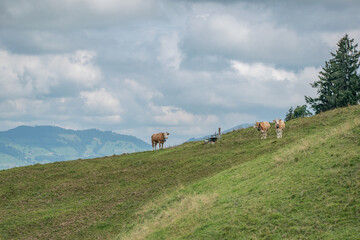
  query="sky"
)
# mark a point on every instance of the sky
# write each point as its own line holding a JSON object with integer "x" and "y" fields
{"x": 186, "y": 67}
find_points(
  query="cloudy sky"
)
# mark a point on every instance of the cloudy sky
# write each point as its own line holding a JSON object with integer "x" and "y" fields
{"x": 143, "y": 66}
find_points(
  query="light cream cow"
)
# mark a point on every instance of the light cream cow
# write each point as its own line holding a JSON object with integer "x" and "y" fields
{"x": 263, "y": 127}
{"x": 279, "y": 127}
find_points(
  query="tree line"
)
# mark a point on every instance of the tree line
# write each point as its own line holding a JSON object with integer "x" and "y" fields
{"x": 338, "y": 84}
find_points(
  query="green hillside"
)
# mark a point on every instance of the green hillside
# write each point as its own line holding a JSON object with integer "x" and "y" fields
{"x": 303, "y": 186}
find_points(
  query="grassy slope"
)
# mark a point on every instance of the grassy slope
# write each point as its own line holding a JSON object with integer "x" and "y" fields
{"x": 305, "y": 185}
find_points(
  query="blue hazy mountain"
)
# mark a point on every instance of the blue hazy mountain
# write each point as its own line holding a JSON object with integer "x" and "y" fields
{"x": 26, "y": 145}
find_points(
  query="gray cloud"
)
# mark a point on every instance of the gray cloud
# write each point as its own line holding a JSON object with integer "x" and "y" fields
{"x": 50, "y": 14}
{"x": 252, "y": 33}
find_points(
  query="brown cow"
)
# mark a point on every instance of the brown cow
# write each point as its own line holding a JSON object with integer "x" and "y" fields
{"x": 159, "y": 138}
{"x": 263, "y": 127}
{"x": 279, "y": 126}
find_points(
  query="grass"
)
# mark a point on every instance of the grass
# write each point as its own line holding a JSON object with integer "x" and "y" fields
{"x": 303, "y": 186}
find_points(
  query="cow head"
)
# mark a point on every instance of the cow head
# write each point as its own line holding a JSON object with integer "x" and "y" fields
{"x": 166, "y": 135}
{"x": 277, "y": 122}
{"x": 257, "y": 125}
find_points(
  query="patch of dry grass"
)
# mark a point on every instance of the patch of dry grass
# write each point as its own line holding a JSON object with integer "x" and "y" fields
{"x": 190, "y": 204}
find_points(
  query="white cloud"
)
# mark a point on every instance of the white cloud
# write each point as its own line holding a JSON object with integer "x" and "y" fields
{"x": 170, "y": 115}
{"x": 249, "y": 34}
{"x": 26, "y": 75}
{"x": 22, "y": 75}
{"x": 261, "y": 72}
{"x": 15, "y": 108}
{"x": 233, "y": 90}
{"x": 218, "y": 30}
{"x": 109, "y": 119}
{"x": 169, "y": 54}
{"x": 268, "y": 86}
{"x": 132, "y": 88}
{"x": 203, "y": 16}
{"x": 144, "y": 106}
{"x": 77, "y": 67}
{"x": 101, "y": 101}
{"x": 332, "y": 38}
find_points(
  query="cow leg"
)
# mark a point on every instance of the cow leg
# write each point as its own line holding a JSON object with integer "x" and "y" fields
{"x": 263, "y": 135}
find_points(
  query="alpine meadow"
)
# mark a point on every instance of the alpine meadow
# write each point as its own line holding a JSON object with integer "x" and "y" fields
{"x": 305, "y": 185}
{"x": 179, "y": 120}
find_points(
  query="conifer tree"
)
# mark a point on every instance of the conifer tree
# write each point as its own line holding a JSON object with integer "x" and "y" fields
{"x": 339, "y": 81}
{"x": 289, "y": 114}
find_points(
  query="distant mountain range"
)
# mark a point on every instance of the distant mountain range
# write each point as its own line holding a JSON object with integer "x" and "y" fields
{"x": 245, "y": 125}
{"x": 26, "y": 145}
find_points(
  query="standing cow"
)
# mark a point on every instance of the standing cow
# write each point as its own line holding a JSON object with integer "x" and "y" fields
{"x": 159, "y": 138}
{"x": 279, "y": 127}
{"x": 263, "y": 127}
